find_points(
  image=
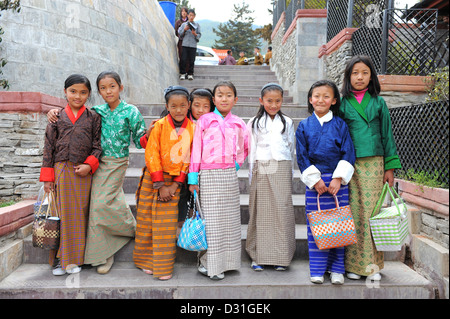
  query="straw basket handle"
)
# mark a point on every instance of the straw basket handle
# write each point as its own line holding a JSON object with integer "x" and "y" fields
{"x": 335, "y": 200}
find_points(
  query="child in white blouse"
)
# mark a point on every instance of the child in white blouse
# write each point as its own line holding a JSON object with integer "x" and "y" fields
{"x": 271, "y": 229}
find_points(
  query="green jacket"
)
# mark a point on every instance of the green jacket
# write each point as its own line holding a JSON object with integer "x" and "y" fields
{"x": 370, "y": 128}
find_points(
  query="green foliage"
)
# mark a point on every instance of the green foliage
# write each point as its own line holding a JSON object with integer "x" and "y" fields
{"x": 237, "y": 34}
{"x": 13, "y": 5}
{"x": 423, "y": 178}
{"x": 438, "y": 89}
{"x": 4, "y": 203}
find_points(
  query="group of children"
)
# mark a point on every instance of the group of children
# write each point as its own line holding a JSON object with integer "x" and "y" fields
{"x": 344, "y": 149}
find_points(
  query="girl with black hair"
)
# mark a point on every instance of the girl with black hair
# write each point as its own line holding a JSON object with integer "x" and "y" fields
{"x": 325, "y": 156}
{"x": 369, "y": 122}
{"x": 271, "y": 229}
{"x": 167, "y": 164}
{"x": 72, "y": 152}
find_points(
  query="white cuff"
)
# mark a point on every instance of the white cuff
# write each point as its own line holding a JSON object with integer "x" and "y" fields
{"x": 345, "y": 171}
{"x": 311, "y": 176}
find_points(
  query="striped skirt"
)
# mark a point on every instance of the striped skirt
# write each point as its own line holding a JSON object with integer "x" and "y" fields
{"x": 72, "y": 196}
{"x": 111, "y": 222}
{"x": 332, "y": 260}
{"x": 271, "y": 229}
{"x": 219, "y": 200}
{"x": 365, "y": 189}
{"x": 156, "y": 231}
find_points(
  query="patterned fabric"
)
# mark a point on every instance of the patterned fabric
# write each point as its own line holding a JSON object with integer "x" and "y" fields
{"x": 111, "y": 223}
{"x": 72, "y": 197}
{"x": 193, "y": 233}
{"x": 365, "y": 189}
{"x": 271, "y": 229}
{"x": 118, "y": 127}
{"x": 156, "y": 231}
{"x": 77, "y": 141}
{"x": 321, "y": 261}
{"x": 219, "y": 200}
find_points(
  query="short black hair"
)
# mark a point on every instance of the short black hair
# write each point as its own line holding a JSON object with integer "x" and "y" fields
{"x": 334, "y": 108}
{"x": 374, "y": 86}
{"x": 203, "y": 93}
{"x": 227, "y": 84}
{"x": 175, "y": 90}
{"x": 77, "y": 79}
{"x": 108, "y": 74}
{"x": 191, "y": 11}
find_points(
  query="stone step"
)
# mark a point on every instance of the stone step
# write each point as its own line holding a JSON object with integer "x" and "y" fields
{"x": 137, "y": 159}
{"x": 125, "y": 281}
{"x": 149, "y": 119}
{"x": 255, "y": 83}
{"x": 241, "y": 109}
{"x": 219, "y": 68}
{"x": 238, "y": 77}
{"x": 297, "y": 199}
{"x": 231, "y": 73}
{"x": 32, "y": 255}
{"x": 133, "y": 176}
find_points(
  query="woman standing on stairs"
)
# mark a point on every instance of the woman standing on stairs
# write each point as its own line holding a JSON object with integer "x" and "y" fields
{"x": 271, "y": 229}
{"x": 111, "y": 222}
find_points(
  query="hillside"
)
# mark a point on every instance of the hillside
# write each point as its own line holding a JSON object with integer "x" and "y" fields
{"x": 209, "y": 37}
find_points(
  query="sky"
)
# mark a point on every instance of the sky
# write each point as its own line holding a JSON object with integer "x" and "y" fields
{"x": 222, "y": 11}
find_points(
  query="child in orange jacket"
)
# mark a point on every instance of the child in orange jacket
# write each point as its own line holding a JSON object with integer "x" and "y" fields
{"x": 167, "y": 158}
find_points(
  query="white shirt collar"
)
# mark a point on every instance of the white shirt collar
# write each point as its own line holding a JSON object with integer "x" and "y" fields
{"x": 326, "y": 118}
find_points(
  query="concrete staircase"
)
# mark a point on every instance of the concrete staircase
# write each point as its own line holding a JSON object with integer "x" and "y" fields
{"x": 34, "y": 279}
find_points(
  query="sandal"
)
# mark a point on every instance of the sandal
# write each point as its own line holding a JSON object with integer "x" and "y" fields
{"x": 148, "y": 272}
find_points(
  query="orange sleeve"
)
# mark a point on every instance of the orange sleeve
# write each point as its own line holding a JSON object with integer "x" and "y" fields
{"x": 153, "y": 153}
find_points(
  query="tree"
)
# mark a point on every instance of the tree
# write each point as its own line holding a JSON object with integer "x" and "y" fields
{"x": 6, "y": 5}
{"x": 237, "y": 34}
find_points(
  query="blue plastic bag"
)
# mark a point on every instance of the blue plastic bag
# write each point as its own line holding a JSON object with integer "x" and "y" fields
{"x": 193, "y": 233}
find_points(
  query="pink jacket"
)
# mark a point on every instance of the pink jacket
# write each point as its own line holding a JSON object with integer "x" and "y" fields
{"x": 219, "y": 143}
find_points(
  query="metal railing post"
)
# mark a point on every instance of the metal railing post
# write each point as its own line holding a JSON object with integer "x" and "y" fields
{"x": 350, "y": 14}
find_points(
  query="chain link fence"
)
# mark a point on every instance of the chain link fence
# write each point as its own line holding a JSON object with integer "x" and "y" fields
{"x": 421, "y": 133}
{"x": 353, "y": 14}
{"x": 294, "y": 5}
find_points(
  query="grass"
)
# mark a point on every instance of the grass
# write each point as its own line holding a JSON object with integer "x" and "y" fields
{"x": 4, "y": 203}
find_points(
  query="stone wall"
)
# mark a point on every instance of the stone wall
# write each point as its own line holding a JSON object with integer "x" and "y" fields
{"x": 295, "y": 48}
{"x": 22, "y": 126}
{"x": 49, "y": 40}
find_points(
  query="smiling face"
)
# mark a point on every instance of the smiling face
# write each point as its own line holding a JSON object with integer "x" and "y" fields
{"x": 77, "y": 95}
{"x": 200, "y": 106}
{"x": 224, "y": 99}
{"x": 110, "y": 91}
{"x": 178, "y": 107}
{"x": 360, "y": 76}
{"x": 322, "y": 99}
{"x": 272, "y": 101}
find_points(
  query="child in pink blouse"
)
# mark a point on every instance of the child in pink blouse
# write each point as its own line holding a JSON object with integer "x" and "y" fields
{"x": 219, "y": 148}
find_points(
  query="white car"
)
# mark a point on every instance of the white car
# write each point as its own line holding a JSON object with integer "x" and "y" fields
{"x": 206, "y": 56}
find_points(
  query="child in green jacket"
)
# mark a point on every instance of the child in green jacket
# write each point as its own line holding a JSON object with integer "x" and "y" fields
{"x": 369, "y": 122}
